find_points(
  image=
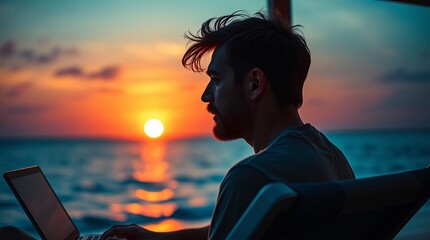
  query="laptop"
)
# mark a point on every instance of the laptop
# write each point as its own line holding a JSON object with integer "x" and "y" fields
{"x": 42, "y": 205}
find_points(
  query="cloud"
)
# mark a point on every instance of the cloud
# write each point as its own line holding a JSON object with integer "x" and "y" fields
{"x": 30, "y": 55}
{"x": 412, "y": 99}
{"x": 403, "y": 108}
{"x": 25, "y": 109}
{"x": 72, "y": 71}
{"x": 19, "y": 89}
{"x": 8, "y": 48}
{"x": 400, "y": 75}
{"x": 106, "y": 74}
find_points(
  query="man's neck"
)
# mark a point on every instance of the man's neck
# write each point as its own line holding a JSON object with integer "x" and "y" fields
{"x": 269, "y": 124}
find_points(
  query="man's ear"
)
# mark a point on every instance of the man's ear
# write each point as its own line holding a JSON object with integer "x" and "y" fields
{"x": 257, "y": 83}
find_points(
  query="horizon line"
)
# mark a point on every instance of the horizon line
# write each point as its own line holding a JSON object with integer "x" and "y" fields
{"x": 191, "y": 137}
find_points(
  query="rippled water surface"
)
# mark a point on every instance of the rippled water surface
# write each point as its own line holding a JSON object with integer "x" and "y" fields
{"x": 172, "y": 185}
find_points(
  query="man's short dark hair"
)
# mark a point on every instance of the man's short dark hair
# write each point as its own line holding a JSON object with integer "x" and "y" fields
{"x": 255, "y": 41}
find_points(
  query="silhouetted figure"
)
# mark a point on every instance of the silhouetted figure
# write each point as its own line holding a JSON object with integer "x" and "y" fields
{"x": 257, "y": 72}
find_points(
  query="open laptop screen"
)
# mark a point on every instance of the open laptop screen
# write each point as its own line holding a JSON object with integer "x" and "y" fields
{"x": 41, "y": 203}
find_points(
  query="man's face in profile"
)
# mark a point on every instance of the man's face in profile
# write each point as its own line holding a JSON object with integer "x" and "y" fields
{"x": 226, "y": 99}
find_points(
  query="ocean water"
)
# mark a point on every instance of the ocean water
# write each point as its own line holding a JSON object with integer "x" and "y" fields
{"x": 172, "y": 185}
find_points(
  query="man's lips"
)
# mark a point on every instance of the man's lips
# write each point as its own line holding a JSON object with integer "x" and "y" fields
{"x": 212, "y": 109}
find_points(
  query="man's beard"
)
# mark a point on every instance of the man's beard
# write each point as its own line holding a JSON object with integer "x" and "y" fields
{"x": 232, "y": 125}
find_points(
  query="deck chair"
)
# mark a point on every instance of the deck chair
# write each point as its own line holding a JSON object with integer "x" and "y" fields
{"x": 368, "y": 208}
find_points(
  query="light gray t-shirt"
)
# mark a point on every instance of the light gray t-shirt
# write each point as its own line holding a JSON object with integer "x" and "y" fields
{"x": 298, "y": 154}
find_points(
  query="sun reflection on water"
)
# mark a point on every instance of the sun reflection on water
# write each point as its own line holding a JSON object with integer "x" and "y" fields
{"x": 150, "y": 196}
{"x": 173, "y": 225}
{"x": 152, "y": 166}
{"x": 165, "y": 226}
{"x": 152, "y": 210}
{"x": 153, "y": 170}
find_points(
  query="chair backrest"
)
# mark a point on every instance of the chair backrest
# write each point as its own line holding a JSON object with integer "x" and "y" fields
{"x": 368, "y": 208}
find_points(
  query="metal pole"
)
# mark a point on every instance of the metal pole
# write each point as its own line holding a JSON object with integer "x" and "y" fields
{"x": 281, "y": 8}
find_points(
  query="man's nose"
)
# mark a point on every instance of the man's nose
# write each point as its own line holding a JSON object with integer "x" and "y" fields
{"x": 207, "y": 95}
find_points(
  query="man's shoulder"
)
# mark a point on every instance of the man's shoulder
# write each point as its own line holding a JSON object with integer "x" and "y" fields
{"x": 292, "y": 154}
{"x": 260, "y": 166}
{"x": 292, "y": 146}
{"x": 247, "y": 166}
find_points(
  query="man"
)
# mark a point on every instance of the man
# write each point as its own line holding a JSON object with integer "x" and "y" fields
{"x": 257, "y": 72}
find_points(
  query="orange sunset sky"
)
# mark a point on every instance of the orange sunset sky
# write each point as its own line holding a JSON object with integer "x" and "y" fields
{"x": 102, "y": 68}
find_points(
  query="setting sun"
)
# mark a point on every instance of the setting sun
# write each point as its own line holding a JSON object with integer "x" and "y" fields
{"x": 153, "y": 128}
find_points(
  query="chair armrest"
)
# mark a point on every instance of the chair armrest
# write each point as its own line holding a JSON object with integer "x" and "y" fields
{"x": 262, "y": 211}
